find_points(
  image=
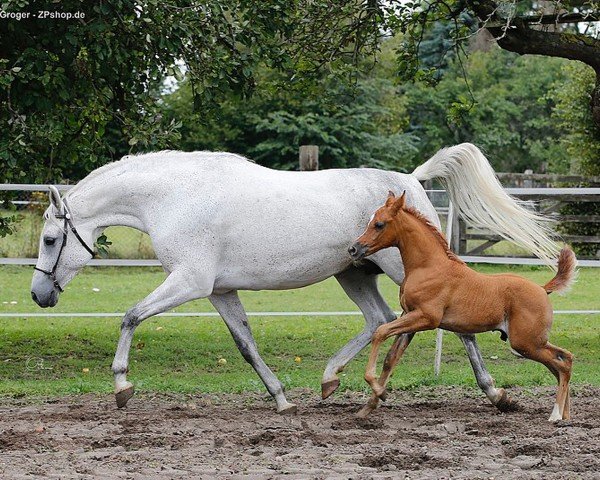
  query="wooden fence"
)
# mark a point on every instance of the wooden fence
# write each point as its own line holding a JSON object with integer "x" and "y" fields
{"x": 550, "y": 201}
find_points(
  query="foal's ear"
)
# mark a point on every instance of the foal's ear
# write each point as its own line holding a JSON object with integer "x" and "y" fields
{"x": 402, "y": 199}
{"x": 390, "y": 198}
{"x": 55, "y": 199}
{"x": 399, "y": 203}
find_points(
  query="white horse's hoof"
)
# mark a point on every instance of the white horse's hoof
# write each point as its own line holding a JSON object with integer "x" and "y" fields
{"x": 504, "y": 403}
{"x": 123, "y": 395}
{"x": 287, "y": 409}
{"x": 327, "y": 388}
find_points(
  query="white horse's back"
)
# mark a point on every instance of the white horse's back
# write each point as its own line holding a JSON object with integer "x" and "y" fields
{"x": 258, "y": 228}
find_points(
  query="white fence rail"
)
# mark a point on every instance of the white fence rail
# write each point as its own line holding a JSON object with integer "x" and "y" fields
{"x": 438, "y": 197}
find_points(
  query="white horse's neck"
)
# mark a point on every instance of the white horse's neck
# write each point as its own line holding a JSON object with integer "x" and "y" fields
{"x": 108, "y": 200}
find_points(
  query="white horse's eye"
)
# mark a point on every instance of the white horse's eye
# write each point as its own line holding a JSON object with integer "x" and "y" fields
{"x": 49, "y": 241}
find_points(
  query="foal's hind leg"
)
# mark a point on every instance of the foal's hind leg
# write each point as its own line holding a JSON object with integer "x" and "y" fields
{"x": 559, "y": 362}
{"x": 392, "y": 358}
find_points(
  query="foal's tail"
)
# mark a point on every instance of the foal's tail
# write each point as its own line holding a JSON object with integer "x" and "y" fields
{"x": 566, "y": 274}
{"x": 480, "y": 199}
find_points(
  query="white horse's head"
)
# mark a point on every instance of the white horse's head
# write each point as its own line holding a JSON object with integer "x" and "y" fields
{"x": 65, "y": 248}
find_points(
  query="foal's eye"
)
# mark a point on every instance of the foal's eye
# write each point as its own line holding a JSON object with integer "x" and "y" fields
{"x": 49, "y": 241}
{"x": 379, "y": 225}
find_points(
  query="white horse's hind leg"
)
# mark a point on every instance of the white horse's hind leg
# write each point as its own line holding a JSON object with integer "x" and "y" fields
{"x": 362, "y": 288}
{"x": 174, "y": 291}
{"x": 497, "y": 396}
{"x": 232, "y": 312}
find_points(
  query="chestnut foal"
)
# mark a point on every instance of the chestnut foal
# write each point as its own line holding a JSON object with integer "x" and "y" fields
{"x": 440, "y": 291}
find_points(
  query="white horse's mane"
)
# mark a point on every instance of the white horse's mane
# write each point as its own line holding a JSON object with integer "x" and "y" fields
{"x": 173, "y": 155}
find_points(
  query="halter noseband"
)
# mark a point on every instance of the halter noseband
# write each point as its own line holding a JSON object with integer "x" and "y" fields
{"x": 68, "y": 222}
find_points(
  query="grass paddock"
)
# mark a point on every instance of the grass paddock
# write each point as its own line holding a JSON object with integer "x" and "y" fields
{"x": 55, "y": 356}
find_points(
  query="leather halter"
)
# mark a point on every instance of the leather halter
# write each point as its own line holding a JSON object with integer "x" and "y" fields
{"x": 68, "y": 225}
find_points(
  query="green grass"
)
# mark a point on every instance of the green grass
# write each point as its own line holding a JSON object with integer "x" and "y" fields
{"x": 47, "y": 356}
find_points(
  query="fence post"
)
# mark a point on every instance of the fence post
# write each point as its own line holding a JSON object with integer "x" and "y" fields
{"x": 528, "y": 182}
{"x": 309, "y": 157}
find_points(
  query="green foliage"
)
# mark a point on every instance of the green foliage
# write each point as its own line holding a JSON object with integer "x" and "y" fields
{"x": 580, "y": 140}
{"x": 353, "y": 125}
{"x": 8, "y": 224}
{"x": 439, "y": 46}
{"x": 76, "y": 94}
{"x": 356, "y": 130}
{"x": 580, "y": 137}
{"x": 504, "y": 109}
{"x": 102, "y": 244}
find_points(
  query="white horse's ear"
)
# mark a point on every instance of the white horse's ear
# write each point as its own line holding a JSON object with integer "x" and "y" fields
{"x": 55, "y": 199}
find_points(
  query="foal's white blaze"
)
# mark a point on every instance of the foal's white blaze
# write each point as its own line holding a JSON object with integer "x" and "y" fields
{"x": 369, "y": 222}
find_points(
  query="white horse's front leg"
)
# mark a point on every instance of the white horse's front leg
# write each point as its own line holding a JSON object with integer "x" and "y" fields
{"x": 174, "y": 291}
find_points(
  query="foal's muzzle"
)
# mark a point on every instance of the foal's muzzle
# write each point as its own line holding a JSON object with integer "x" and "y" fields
{"x": 358, "y": 251}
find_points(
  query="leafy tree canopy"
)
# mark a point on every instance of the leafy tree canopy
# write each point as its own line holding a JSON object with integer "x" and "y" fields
{"x": 75, "y": 93}
{"x": 354, "y": 125}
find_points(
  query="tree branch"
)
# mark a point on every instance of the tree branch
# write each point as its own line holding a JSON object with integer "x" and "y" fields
{"x": 517, "y": 37}
{"x": 553, "y": 19}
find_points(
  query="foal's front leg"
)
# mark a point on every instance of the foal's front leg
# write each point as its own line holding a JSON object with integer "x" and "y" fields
{"x": 411, "y": 322}
{"x": 395, "y": 353}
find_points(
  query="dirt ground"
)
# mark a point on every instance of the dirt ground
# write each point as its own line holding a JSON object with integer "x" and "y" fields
{"x": 433, "y": 433}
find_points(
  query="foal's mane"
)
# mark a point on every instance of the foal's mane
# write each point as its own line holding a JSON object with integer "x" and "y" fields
{"x": 439, "y": 236}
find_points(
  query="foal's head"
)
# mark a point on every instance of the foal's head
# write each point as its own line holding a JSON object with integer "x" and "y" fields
{"x": 381, "y": 230}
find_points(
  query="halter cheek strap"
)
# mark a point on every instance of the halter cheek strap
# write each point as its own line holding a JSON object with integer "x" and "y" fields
{"x": 68, "y": 225}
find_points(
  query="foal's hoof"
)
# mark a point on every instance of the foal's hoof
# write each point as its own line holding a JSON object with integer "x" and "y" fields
{"x": 123, "y": 396}
{"x": 288, "y": 409}
{"x": 383, "y": 395}
{"x": 505, "y": 403}
{"x": 371, "y": 405}
{"x": 329, "y": 387}
{"x": 365, "y": 411}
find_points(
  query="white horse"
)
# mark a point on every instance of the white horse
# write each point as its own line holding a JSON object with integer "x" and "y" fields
{"x": 220, "y": 223}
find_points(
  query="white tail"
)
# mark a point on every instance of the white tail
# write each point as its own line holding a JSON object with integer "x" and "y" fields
{"x": 480, "y": 199}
